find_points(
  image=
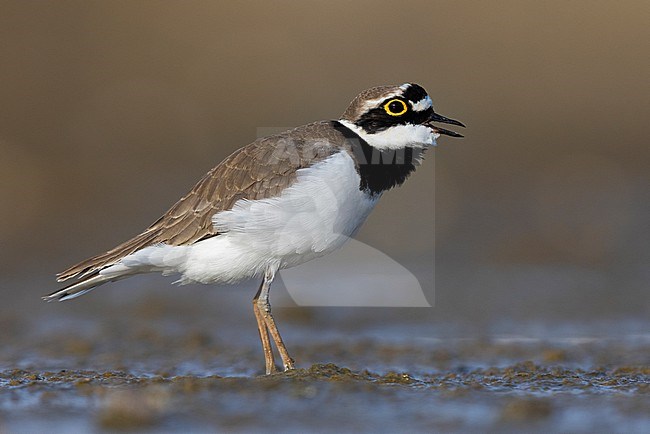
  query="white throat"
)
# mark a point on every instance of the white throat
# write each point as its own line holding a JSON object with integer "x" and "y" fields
{"x": 397, "y": 137}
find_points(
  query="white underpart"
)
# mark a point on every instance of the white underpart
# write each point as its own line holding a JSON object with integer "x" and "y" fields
{"x": 311, "y": 218}
{"x": 397, "y": 137}
{"x": 422, "y": 105}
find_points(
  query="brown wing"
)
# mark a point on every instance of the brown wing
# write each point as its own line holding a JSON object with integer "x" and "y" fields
{"x": 260, "y": 170}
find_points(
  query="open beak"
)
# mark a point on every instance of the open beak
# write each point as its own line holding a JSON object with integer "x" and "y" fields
{"x": 435, "y": 117}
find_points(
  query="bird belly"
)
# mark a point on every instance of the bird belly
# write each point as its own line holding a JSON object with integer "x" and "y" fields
{"x": 309, "y": 219}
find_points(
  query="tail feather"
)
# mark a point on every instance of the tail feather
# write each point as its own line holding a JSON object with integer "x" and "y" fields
{"x": 80, "y": 287}
{"x": 92, "y": 265}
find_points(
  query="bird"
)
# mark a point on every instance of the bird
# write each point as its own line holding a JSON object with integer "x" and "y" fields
{"x": 278, "y": 202}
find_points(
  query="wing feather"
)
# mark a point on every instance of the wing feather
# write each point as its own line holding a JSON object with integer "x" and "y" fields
{"x": 257, "y": 171}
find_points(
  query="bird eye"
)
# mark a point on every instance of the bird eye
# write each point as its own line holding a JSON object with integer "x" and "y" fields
{"x": 395, "y": 107}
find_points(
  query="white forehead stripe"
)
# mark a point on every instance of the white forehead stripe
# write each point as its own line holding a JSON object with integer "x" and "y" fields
{"x": 372, "y": 103}
{"x": 422, "y": 105}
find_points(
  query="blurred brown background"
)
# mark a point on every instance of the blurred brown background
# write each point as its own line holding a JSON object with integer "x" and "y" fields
{"x": 111, "y": 110}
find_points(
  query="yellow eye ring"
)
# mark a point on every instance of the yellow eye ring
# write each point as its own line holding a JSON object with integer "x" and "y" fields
{"x": 395, "y": 107}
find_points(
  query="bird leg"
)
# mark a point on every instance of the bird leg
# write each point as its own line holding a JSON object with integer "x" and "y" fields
{"x": 264, "y": 336}
{"x": 266, "y": 325}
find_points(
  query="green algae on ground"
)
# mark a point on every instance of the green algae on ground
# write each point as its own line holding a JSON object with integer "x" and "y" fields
{"x": 523, "y": 376}
{"x": 332, "y": 372}
{"x": 118, "y": 400}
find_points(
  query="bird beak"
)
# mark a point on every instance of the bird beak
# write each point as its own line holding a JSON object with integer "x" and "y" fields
{"x": 435, "y": 117}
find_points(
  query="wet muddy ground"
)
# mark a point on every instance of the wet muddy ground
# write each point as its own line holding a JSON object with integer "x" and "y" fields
{"x": 331, "y": 398}
{"x": 169, "y": 364}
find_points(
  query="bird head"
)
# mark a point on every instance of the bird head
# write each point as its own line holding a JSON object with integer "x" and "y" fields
{"x": 395, "y": 117}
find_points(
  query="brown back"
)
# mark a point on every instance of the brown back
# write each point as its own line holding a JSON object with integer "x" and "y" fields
{"x": 259, "y": 170}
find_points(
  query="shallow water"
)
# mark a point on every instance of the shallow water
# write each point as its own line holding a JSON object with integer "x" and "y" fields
{"x": 332, "y": 398}
{"x": 160, "y": 361}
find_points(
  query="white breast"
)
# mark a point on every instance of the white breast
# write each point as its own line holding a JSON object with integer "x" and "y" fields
{"x": 311, "y": 218}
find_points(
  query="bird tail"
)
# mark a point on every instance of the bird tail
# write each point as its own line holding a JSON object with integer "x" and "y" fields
{"x": 80, "y": 287}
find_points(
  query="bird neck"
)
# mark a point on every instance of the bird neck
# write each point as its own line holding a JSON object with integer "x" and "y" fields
{"x": 379, "y": 169}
